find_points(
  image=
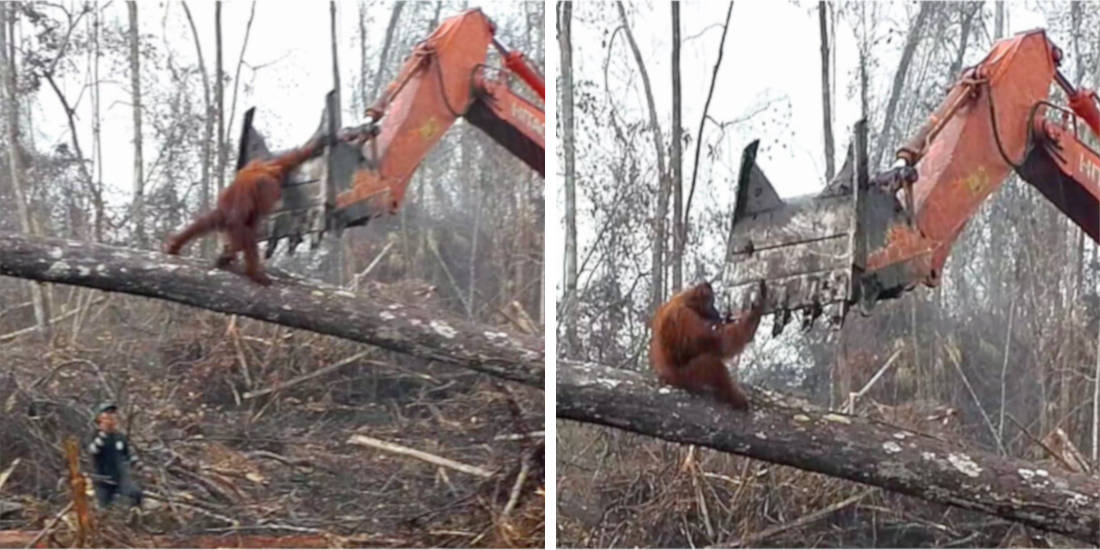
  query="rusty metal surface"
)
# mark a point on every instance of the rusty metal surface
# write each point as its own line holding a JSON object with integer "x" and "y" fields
{"x": 441, "y": 81}
{"x": 900, "y": 231}
{"x": 443, "y": 78}
{"x": 430, "y": 92}
{"x": 805, "y": 248}
{"x": 964, "y": 162}
{"x": 306, "y": 203}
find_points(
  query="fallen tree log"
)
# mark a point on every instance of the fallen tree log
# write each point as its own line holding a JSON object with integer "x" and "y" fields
{"x": 297, "y": 303}
{"x": 786, "y": 431}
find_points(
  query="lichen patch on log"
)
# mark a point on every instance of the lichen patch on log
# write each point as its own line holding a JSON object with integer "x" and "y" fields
{"x": 849, "y": 447}
{"x": 295, "y": 303}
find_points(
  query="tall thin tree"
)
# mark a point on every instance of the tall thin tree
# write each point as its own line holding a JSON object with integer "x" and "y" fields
{"x": 219, "y": 93}
{"x": 826, "y": 100}
{"x": 138, "y": 204}
{"x": 39, "y": 297}
{"x": 565, "y": 43}
{"x": 967, "y": 13}
{"x": 363, "y": 98}
{"x": 703, "y": 118}
{"x": 659, "y": 234}
{"x": 916, "y": 30}
{"x": 391, "y": 28}
{"x": 97, "y": 142}
{"x": 998, "y": 19}
{"x": 676, "y": 158}
{"x": 207, "y": 124}
{"x": 341, "y": 255}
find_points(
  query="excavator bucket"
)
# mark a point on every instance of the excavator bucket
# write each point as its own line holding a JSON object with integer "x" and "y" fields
{"x": 308, "y": 193}
{"x": 810, "y": 250}
{"x": 869, "y": 238}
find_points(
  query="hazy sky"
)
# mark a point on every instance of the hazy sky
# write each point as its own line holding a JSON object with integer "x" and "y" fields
{"x": 771, "y": 54}
{"x": 289, "y": 90}
{"x": 289, "y": 45}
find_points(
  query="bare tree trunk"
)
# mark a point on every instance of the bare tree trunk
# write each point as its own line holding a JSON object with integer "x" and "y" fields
{"x": 97, "y": 142}
{"x": 1004, "y": 367}
{"x": 968, "y": 11}
{"x": 341, "y": 255}
{"x": 826, "y": 101}
{"x": 395, "y": 16}
{"x": 1096, "y": 373}
{"x": 657, "y": 273}
{"x": 703, "y": 119}
{"x": 864, "y": 52}
{"x": 138, "y": 206}
{"x": 998, "y": 19}
{"x": 676, "y": 159}
{"x": 39, "y": 299}
{"x": 219, "y": 93}
{"x": 435, "y": 18}
{"x": 240, "y": 63}
{"x": 70, "y": 117}
{"x": 911, "y": 42}
{"x": 363, "y": 99}
{"x": 207, "y": 125}
{"x": 1069, "y": 387}
{"x": 569, "y": 145}
{"x": 472, "y": 286}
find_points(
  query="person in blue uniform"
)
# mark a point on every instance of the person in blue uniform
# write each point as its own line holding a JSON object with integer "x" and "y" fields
{"x": 113, "y": 458}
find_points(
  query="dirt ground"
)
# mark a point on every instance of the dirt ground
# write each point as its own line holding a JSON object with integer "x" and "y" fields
{"x": 221, "y": 466}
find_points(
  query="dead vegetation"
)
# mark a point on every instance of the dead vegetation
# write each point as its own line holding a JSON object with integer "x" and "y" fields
{"x": 618, "y": 489}
{"x": 242, "y": 447}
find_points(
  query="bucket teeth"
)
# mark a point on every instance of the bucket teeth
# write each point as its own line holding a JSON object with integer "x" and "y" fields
{"x": 309, "y": 191}
{"x": 292, "y": 243}
{"x": 805, "y": 248}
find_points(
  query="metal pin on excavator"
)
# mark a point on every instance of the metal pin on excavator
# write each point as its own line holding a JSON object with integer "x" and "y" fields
{"x": 869, "y": 238}
{"x": 364, "y": 173}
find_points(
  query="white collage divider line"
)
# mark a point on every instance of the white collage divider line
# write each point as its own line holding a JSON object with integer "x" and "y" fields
{"x": 552, "y": 265}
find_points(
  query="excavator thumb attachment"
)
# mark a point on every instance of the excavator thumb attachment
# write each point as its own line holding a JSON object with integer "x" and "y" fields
{"x": 308, "y": 192}
{"x": 810, "y": 250}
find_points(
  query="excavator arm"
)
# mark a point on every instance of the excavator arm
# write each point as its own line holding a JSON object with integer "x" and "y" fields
{"x": 365, "y": 173}
{"x": 868, "y": 238}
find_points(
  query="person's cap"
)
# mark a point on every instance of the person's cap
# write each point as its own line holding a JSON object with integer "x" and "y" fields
{"x": 104, "y": 407}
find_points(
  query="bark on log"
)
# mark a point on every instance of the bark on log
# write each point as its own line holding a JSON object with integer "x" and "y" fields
{"x": 785, "y": 431}
{"x": 297, "y": 303}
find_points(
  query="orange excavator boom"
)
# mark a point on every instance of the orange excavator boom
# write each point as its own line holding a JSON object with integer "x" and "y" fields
{"x": 364, "y": 174}
{"x": 867, "y": 238}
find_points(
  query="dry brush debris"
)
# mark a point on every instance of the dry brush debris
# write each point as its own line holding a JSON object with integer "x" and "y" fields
{"x": 794, "y": 433}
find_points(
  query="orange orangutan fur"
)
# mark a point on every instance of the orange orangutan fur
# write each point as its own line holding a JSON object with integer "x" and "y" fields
{"x": 242, "y": 206}
{"x": 690, "y": 341}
